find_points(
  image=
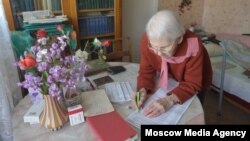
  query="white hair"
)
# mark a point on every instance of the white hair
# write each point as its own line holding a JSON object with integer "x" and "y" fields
{"x": 164, "y": 24}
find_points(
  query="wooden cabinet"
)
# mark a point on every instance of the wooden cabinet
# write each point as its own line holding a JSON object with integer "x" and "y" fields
{"x": 14, "y": 9}
{"x": 94, "y": 18}
{"x": 90, "y": 18}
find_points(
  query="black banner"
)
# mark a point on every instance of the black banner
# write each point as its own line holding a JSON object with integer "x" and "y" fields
{"x": 211, "y": 132}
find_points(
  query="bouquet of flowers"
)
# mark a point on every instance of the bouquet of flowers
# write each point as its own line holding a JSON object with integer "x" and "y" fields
{"x": 50, "y": 64}
{"x": 96, "y": 47}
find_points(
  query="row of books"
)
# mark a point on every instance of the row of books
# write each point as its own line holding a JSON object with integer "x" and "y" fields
{"x": 92, "y": 25}
{"x": 95, "y": 4}
{"x": 31, "y": 5}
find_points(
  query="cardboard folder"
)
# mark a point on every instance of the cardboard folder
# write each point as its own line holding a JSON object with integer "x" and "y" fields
{"x": 111, "y": 127}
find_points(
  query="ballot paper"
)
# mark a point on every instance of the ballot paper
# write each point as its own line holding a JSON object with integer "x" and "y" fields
{"x": 172, "y": 116}
{"x": 119, "y": 92}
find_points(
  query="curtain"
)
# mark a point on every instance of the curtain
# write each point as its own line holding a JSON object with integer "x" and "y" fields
{"x": 10, "y": 94}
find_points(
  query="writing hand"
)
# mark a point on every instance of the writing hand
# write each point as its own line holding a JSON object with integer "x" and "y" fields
{"x": 143, "y": 97}
{"x": 160, "y": 106}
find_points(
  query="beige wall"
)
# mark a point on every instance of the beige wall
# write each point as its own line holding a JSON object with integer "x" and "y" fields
{"x": 135, "y": 15}
{"x": 228, "y": 16}
{"x": 216, "y": 16}
{"x": 193, "y": 15}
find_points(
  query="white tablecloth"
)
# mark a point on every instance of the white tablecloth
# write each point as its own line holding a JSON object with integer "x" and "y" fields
{"x": 26, "y": 132}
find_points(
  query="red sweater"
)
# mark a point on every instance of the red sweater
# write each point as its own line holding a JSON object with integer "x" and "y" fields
{"x": 193, "y": 74}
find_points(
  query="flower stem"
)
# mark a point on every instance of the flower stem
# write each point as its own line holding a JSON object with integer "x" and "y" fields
{"x": 86, "y": 45}
{"x": 45, "y": 87}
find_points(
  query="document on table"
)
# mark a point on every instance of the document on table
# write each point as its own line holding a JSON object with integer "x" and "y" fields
{"x": 172, "y": 116}
{"x": 95, "y": 103}
{"x": 119, "y": 92}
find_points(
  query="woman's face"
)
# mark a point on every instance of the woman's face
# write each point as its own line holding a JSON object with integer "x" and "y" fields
{"x": 163, "y": 47}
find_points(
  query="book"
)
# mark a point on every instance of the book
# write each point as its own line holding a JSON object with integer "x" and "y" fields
{"x": 116, "y": 69}
{"x": 96, "y": 103}
{"x": 111, "y": 127}
{"x": 95, "y": 67}
{"x": 102, "y": 80}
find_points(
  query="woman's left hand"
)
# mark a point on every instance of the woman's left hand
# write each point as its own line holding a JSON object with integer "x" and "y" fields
{"x": 159, "y": 107}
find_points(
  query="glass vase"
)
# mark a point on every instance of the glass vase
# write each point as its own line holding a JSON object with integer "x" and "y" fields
{"x": 101, "y": 56}
{"x": 53, "y": 116}
{"x": 101, "y": 60}
{"x": 72, "y": 96}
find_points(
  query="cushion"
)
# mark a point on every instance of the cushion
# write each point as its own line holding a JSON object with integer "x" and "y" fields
{"x": 213, "y": 49}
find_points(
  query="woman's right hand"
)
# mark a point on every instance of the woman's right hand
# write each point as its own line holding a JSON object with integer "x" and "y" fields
{"x": 143, "y": 98}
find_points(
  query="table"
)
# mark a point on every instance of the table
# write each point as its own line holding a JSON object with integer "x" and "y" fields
{"x": 26, "y": 132}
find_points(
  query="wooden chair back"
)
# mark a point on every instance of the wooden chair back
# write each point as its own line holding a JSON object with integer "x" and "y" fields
{"x": 121, "y": 50}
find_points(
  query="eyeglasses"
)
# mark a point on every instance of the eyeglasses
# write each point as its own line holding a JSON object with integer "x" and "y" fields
{"x": 163, "y": 49}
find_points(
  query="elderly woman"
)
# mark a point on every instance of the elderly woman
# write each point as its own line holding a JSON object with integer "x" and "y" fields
{"x": 172, "y": 51}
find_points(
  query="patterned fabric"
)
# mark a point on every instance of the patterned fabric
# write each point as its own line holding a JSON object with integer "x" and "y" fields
{"x": 5, "y": 114}
{"x": 10, "y": 94}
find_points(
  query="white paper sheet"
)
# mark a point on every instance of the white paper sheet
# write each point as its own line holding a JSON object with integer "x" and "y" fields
{"x": 119, "y": 92}
{"x": 172, "y": 116}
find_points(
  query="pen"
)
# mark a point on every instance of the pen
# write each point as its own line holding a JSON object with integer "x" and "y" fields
{"x": 138, "y": 98}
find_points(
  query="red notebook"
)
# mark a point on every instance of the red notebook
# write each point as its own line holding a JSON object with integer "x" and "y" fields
{"x": 111, "y": 127}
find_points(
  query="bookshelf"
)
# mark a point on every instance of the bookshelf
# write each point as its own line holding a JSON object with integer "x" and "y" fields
{"x": 94, "y": 18}
{"x": 90, "y": 18}
{"x": 14, "y": 9}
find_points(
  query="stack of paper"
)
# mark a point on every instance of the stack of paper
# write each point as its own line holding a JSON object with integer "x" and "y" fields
{"x": 119, "y": 92}
{"x": 172, "y": 116}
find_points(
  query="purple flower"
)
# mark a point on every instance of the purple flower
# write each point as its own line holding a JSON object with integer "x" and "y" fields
{"x": 42, "y": 41}
{"x": 54, "y": 46}
{"x": 63, "y": 45}
{"x": 53, "y": 69}
{"x": 41, "y": 54}
{"x": 62, "y": 42}
{"x": 58, "y": 53}
{"x": 35, "y": 49}
{"x": 54, "y": 90}
{"x": 31, "y": 81}
{"x": 50, "y": 79}
{"x": 52, "y": 52}
{"x": 68, "y": 60}
{"x": 43, "y": 66}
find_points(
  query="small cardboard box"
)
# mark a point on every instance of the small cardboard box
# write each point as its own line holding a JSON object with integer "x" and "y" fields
{"x": 33, "y": 114}
{"x": 75, "y": 114}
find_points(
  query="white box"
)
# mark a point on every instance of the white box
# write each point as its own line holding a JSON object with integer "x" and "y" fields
{"x": 75, "y": 114}
{"x": 33, "y": 114}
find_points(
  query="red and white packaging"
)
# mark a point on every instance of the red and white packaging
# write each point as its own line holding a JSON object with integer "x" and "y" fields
{"x": 75, "y": 114}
